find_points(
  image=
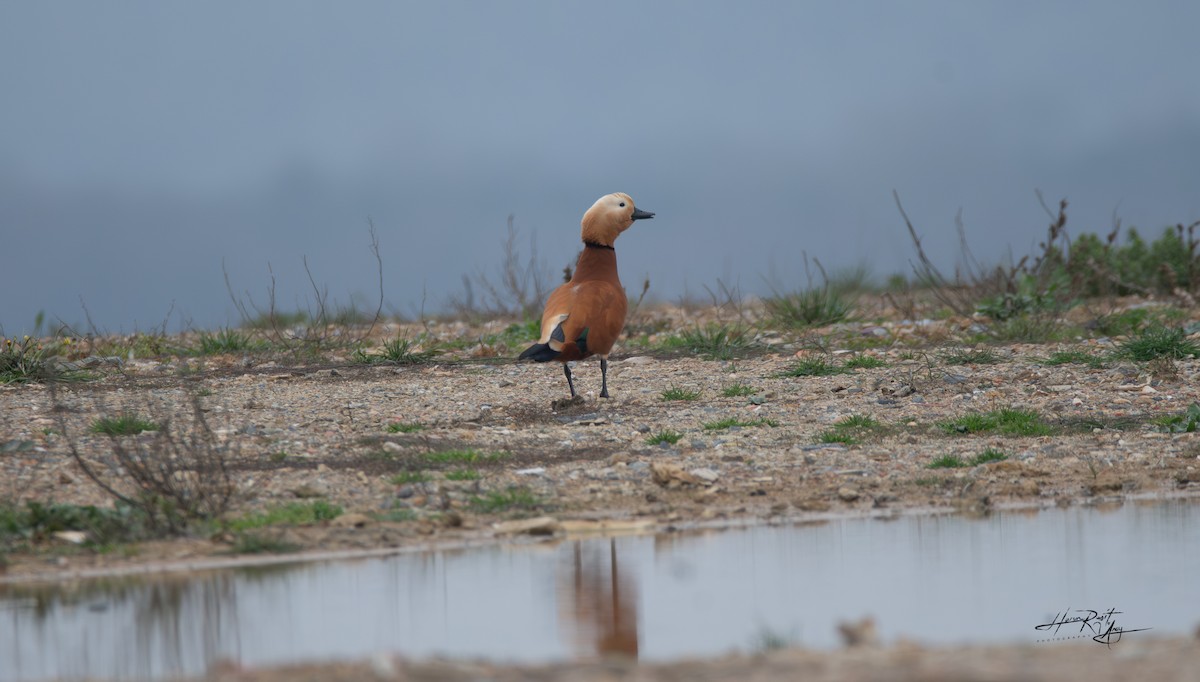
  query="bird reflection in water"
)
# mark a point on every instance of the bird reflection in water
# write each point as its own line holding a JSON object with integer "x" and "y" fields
{"x": 598, "y": 603}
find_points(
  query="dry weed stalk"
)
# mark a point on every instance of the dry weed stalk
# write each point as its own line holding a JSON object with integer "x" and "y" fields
{"x": 522, "y": 288}
{"x": 175, "y": 476}
{"x": 320, "y": 320}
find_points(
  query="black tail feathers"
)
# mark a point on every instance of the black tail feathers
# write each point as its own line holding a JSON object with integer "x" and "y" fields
{"x": 539, "y": 352}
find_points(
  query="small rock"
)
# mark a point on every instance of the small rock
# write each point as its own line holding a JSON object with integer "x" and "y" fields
{"x": 532, "y": 471}
{"x": 389, "y": 446}
{"x": 706, "y": 475}
{"x": 74, "y": 537}
{"x": 351, "y": 521}
{"x": 670, "y": 475}
{"x": 847, "y": 494}
{"x": 310, "y": 490}
{"x": 16, "y": 446}
{"x": 811, "y": 505}
{"x": 542, "y": 525}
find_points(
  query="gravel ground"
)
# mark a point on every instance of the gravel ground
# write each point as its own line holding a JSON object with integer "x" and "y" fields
{"x": 302, "y": 433}
{"x": 305, "y": 433}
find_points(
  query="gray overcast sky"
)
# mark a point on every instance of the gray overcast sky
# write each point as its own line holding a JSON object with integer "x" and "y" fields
{"x": 143, "y": 143}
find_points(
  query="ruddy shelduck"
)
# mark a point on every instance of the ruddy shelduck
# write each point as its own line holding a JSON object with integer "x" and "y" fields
{"x": 585, "y": 316}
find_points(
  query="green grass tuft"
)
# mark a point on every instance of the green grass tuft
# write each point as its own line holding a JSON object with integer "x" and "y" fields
{"x": 675, "y": 393}
{"x": 810, "y": 308}
{"x": 1075, "y": 357}
{"x": 738, "y": 390}
{"x": 463, "y": 475}
{"x": 292, "y": 514}
{"x": 126, "y": 424}
{"x": 228, "y": 341}
{"x": 849, "y": 430}
{"x": 836, "y": 436}
{"x": 987, "y": 456}
{"x": 1007, "y": 421}
{"x": 713, "y": 341}
{"x": 971, "y": 357}
{"x": 947, "y": 462}
{"x": 1179, "y": 423}
{"x": 29, "y": 360}
{"x": 395, "y": 351}
{"x": 1156, "y": 342}
{"x": 513, "y": 499}
{"x": 409, "y": 478}
{"x": 668, "y": 436}
{"x": 856, "y": 421}
{"x": 404, "y": 427}
{"x": 36, "y": 521}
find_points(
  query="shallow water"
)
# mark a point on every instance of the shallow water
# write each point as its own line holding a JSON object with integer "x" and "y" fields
{"x": 936, "y": 579}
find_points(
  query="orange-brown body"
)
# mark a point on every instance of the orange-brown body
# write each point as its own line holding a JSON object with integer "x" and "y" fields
{"x": 593, "y": 300}
{"x": 585, "y": 316}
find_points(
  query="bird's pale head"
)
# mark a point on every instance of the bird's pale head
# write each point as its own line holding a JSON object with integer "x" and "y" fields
{"x": 611, "y": 215}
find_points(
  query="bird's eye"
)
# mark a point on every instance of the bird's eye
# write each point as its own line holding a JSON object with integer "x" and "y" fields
{"x": 622, "y": 204}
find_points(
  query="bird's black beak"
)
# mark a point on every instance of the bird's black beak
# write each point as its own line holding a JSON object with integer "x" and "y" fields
{"x": 639, "y": 214}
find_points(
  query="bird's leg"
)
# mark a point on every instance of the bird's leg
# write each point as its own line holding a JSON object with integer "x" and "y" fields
{"x": 570, "y": 384}
{"x": 603, "y": 378}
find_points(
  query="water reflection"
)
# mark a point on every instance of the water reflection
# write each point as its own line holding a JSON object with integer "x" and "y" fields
{"x": 933, "y": 578}
{"x": 599, "y": 602}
